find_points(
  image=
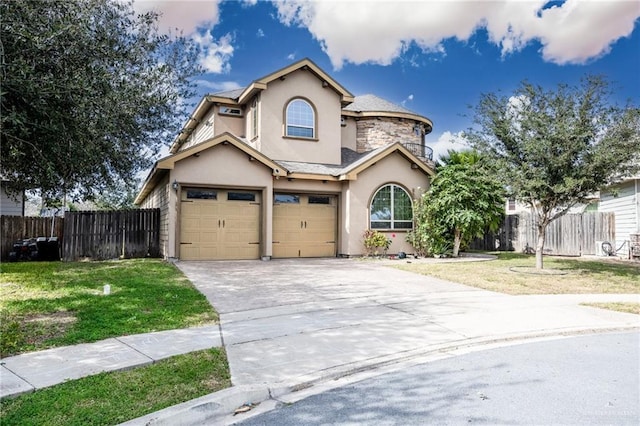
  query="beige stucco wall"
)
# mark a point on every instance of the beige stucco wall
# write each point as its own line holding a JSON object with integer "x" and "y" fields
{"x": 229, "y": 123}
{"x": 273, "y": 100}
{"x": 356, "y": 200}
{"x": 314, "y": 186}
{"x": 374, "y": 133}
{"x": 212, "y": 168}
{"x": 222, "y": 166}
{"x": 348, "y": 133}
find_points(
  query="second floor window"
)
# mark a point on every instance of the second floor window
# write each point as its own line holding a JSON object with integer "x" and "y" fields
{"x": 300, "y": 119}
{"x": 254, "y": 118}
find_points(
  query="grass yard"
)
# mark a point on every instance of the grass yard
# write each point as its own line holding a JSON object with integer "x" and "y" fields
{"x": 632, "y": 308}
{"x": 112, "y": 398}
{"x": 49, "y": 304}
{"x": 505, "y": 275}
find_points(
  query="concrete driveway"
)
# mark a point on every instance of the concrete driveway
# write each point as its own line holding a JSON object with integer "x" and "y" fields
{"x": 302, "y": 320}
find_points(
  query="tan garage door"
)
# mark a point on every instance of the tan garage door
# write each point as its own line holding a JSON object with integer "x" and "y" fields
{"x": 304, "y": 225}
{"x": 219, "y": 224}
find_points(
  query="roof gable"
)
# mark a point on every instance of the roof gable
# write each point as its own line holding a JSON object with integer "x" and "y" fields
{"x": 224, "y": 138}
{"x": 355, "y": 164}
{"x": 168, "y": 163}
{"x": 306, "y": 64}
{"x": 351, "y": 171}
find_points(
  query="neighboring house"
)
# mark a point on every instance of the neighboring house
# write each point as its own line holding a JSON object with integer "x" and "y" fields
{"x": 623, "y": 199}
{"x": 513, "y": 206}
{"x": 292, "y": 165}
{"x": 10, "y": 204}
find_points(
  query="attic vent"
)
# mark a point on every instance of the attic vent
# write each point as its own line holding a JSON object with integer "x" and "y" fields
{"x": 230, "y": 111}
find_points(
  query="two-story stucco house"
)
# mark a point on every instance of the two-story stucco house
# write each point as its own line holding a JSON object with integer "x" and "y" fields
{"x": 293, "y": 165}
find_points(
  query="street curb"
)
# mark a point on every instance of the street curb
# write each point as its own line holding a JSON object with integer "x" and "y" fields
{"x": 219, "y": 407}
{"x": 205, "y": 409}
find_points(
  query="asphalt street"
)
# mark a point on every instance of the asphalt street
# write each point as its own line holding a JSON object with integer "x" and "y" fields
{"x": 591, "y": 379}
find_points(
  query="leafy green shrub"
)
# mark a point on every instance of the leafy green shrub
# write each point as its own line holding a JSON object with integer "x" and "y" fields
{"x": 374, "y": 241}
{"x": 463, "y": 201}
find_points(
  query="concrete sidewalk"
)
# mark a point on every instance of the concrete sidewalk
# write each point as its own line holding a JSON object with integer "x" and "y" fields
{"x": 36, "y": 370}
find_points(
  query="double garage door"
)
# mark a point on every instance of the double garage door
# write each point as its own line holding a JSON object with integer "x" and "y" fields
{"x": 221, "y": 224}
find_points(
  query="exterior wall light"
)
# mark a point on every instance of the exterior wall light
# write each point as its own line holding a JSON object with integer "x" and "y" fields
{"x": 175, "y": 185}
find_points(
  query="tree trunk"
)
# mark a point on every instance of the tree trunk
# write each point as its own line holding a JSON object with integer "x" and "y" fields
{"x": 542, "y": 229}
{"x": 456, "y": 242}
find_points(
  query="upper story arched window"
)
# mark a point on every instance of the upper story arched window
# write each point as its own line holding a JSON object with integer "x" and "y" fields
{"x": 300, "y": 120}
{"x": 391, "y": 208}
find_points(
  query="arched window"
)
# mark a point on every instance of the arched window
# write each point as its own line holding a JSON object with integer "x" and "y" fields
{"x": 300, "y": 119}
{"x": 391, "y": 208}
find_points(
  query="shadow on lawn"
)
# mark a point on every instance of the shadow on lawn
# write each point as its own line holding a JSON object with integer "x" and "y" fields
{"x": 48, "y": 304}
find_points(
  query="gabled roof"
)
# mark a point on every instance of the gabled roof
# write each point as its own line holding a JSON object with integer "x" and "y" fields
{"x": 168, "y": 163}
{"x": 352, "y": 164}
{"x": 306, "y": 64}
{"x": 190, "y": 125}
{"x": 242, "y": 95}
{"x": 352, "y": 170}
{"x": 229, "y": 94}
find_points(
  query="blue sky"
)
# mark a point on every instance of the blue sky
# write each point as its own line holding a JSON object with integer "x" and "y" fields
{"x": 435, "y": 58}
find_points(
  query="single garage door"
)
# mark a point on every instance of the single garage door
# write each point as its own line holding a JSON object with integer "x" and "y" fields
{"x": 219, "y": 224}
{"x": 304, "y": 225}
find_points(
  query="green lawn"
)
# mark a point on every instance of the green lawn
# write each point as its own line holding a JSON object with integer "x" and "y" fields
{"x": 514, "y": 273}
{"x": 48, "y": 304}
{"x": 632, "y": 308}
{"x": 112, "y": 398}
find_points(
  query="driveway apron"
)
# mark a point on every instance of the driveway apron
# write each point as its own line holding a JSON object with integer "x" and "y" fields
{"x": 300, "y": 320}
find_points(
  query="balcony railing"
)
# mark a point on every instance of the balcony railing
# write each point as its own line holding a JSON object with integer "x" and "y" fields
{"x": 421, "y": 151}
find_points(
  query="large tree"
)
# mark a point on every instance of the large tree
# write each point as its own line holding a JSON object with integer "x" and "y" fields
{"x": 90, "y": 93}
{"x": 464, "y": 201}
{"x": 555, "y": 148}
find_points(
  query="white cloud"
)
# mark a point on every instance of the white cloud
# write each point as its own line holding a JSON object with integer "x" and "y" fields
{"x": 185, "y": 15}
{"x": 291, "y": 56}
{"x": 407, "y": 99}
{"x": 447, "y": 141}
{"x": 379, "y": 32}
{"x": 260, "y": 33}
{"x": 215, "y": 55}
{"x": 195, "y": 18}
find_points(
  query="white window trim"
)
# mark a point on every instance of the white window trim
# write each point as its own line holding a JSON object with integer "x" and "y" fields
{"x": 287, "y": 125}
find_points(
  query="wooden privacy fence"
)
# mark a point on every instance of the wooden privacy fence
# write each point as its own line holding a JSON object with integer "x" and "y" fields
{"x": 18, "y": 228}
{"x": 100, "y": 235}
{"x": 569, "y": 235}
